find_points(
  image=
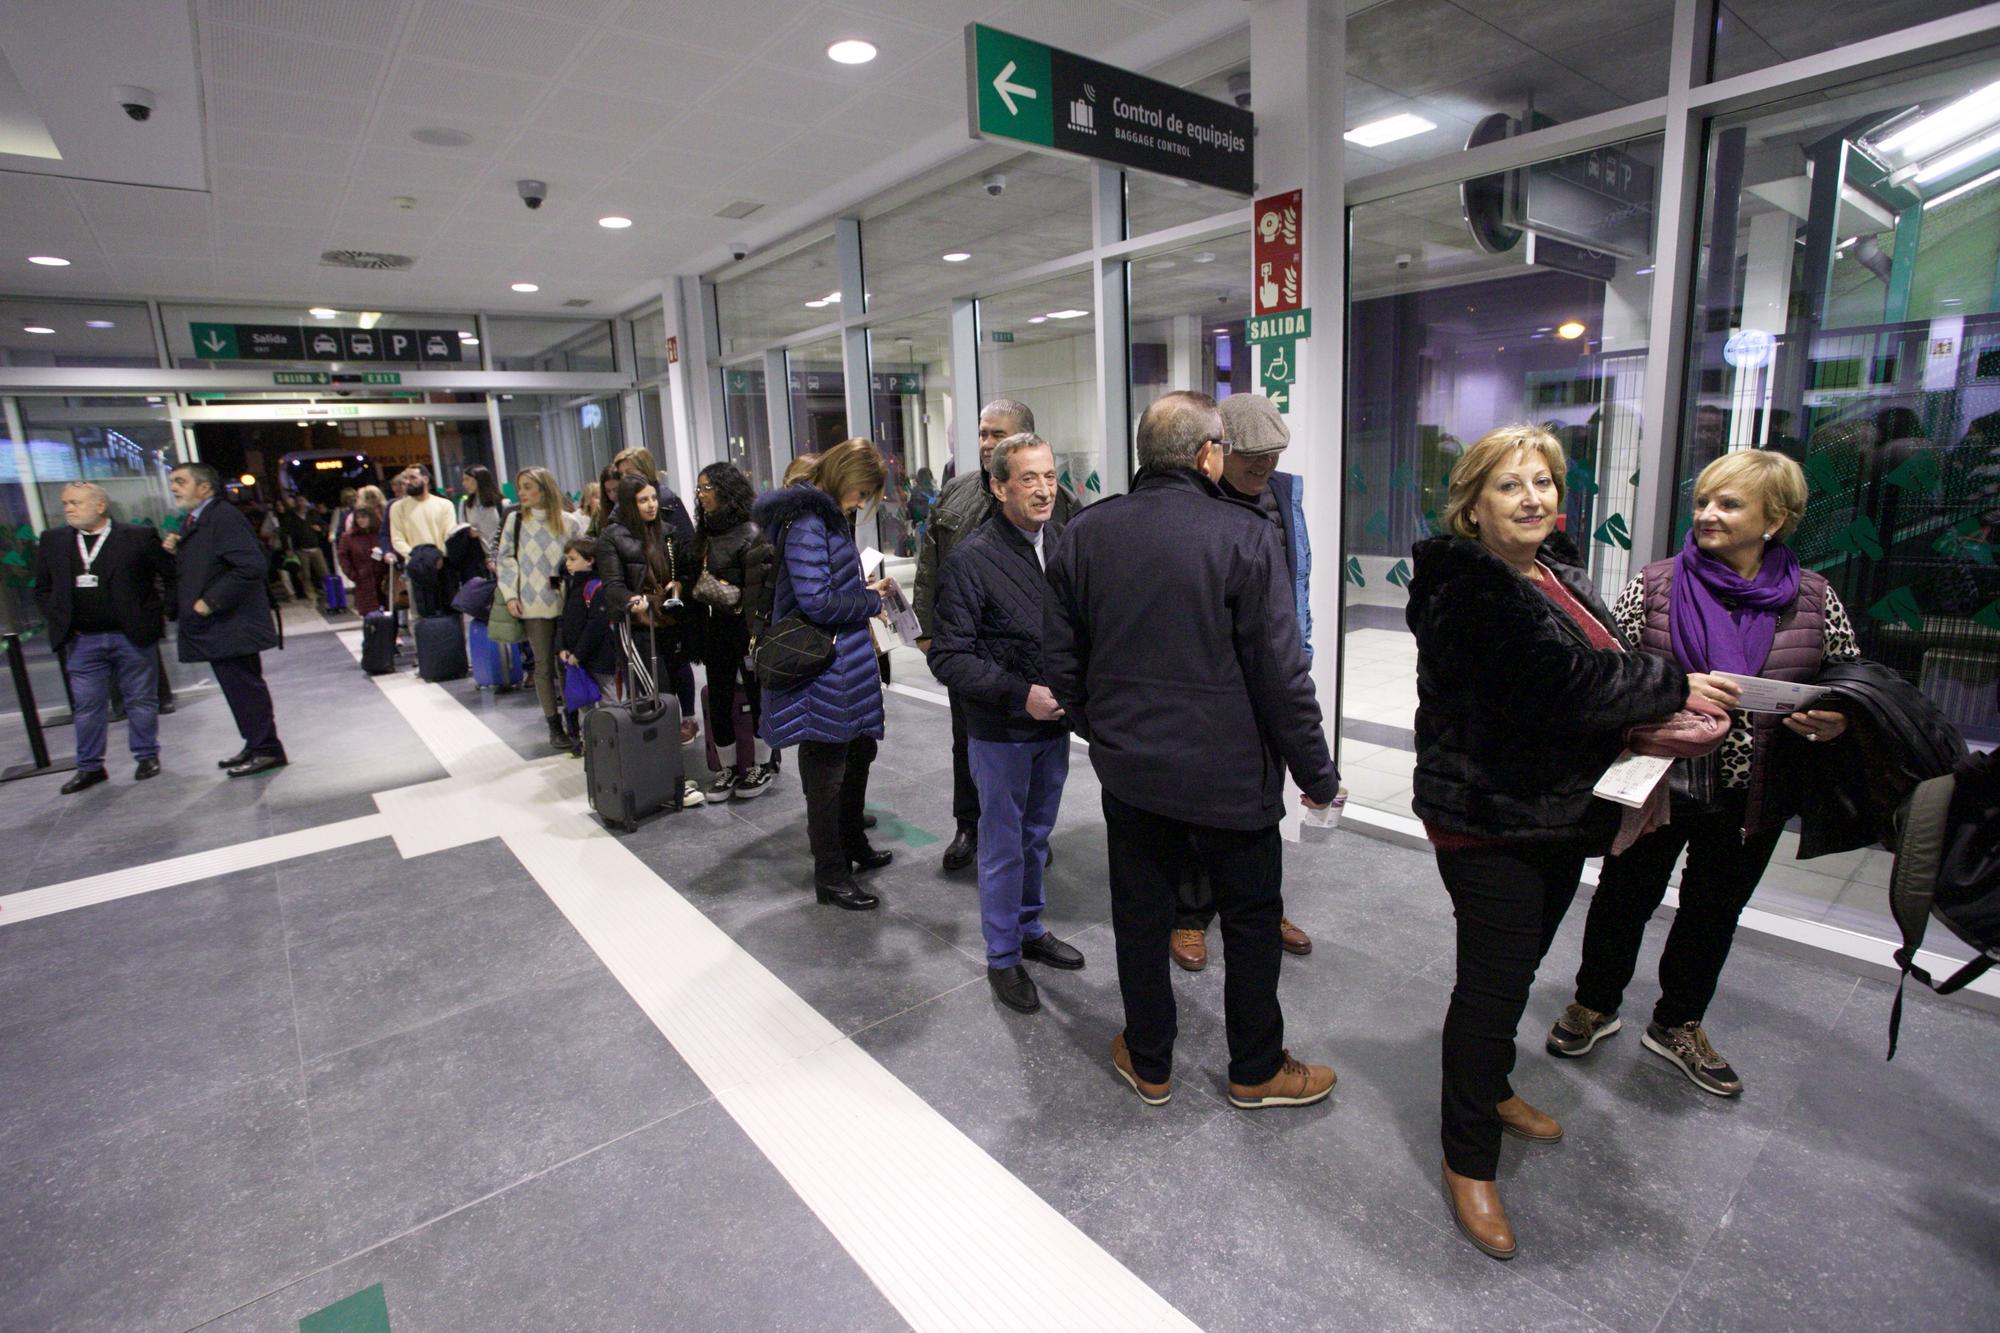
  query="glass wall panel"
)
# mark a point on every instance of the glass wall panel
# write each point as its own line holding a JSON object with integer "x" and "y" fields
{"x": 747, "y": 422}
{"x": 1187, "y": 312}
{"x": 909, "y": 364}
{"x": 522, "y": 427}
{"x": 1756, "y": 34}
{"x": 125, "y": 445}
{"x": 1449, "y": 337}
{"x": 1848, "y": 314}
{"x": 322, "y": 342}
{"x": 582, "y": 345}
{"x": 18, "y": 532}
{"x": 1043, "y": 213}
{"x": 818, "y": 391}
{"x": 649, "y": 343}
{"x": 76, "y": 333}
{"x": 786, "y": 296}
{"x": 1156, "y": 202}
{"x": 652, "y": 426}
{"x": 1050, "y": 363}
{"x": 464, "y": 444}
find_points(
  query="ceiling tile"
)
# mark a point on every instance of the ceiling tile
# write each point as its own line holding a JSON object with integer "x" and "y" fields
{"x": 717, "y": 132}
{"x": 253, "y": 148}
{"x": 575, "y": 109}
{"x": 271, "y": 111}
{"x": 574, "y": 162}
{"x": 802, "y": 47}
{"x": 252, "y": 183}
{"x": 778, "y": 96}
{"x": 943, "y": 16}
{"x": 262, "y": 58}
{"x": 115, "y": 210}
{"x": 729, "y": 27}
{"x": 386, "y": 172}
{"x": 1414, "y": 45}
{"x": 502, "y": 39}
{"x": 662, "y": 71}
{"x": 465, "y": 97}
{"x": 361, "y": 22}
{"x": 1574, "y": 22}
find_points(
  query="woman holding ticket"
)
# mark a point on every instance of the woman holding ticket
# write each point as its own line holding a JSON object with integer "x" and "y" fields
{"x": 1524, "y": 692}
{"x": 1733, "y": 603}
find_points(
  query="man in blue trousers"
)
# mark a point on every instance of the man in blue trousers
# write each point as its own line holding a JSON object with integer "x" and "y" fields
{"x": 986, "y": 647}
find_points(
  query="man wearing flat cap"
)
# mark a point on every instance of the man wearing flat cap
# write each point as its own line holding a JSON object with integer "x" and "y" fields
{"x": 1258, "y": 437}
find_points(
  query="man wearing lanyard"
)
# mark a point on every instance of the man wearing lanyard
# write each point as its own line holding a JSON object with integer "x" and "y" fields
{"x": 225, "y": 610}
{"x": 98, "y": 585}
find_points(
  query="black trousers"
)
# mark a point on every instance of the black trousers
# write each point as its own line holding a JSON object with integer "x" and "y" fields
{"x": 1149, "y": 853}
{"x": 242, "y": 682}
{"x": 1508, "y": 902}
{"x": 1722, "y": 871}
{"x": 1194, "y": 907}
{"x": 964, "y": 792}
{"x": 835, "y": 775}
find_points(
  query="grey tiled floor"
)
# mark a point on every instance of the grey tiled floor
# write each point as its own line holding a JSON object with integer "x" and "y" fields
{"x": 232, "y": 1103}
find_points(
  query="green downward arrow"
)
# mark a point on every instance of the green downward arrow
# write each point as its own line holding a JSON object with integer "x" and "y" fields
{"x": 366, "y": 1311}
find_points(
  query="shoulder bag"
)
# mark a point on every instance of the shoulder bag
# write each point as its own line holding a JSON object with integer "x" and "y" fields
{"x": 794, "y": 650}
{"x": 502, "y": 625}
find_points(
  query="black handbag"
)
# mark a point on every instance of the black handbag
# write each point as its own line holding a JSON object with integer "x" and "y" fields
{"x": 792, "y": 652}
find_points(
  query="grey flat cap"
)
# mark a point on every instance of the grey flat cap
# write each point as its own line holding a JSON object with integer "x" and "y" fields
{"x": 1253, "y": 424}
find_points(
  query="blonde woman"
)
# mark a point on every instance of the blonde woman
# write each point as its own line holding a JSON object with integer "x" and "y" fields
{"x": 530, "y": 580}
{"x": 1733, "y": 600}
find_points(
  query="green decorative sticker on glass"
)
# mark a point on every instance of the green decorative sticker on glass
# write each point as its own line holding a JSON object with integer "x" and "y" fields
{"x": 1580, "y": 479}
{"x": 1613, "y": 531}
{"x": 1822, "y": 472}
{"x": 1377, "y": 526}
{"x": 1899, "y": 606}
{"x": 1919, "y": 472}
{"x": 1861, "y": 537}
{"x": 1353, "y": 573}
{"x": 366, "y": 1311}
{"x": 1988, "y": 615}
{"x": 1399, "y": 574}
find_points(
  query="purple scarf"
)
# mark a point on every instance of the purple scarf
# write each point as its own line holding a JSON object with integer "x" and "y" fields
{"x": 1721, "y": 621}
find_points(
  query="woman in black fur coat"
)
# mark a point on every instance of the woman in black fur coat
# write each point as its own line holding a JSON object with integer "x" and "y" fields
{"x": 1524, "y": 691}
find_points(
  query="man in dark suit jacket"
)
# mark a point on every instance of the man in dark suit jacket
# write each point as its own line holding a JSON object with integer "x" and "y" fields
{"x": 98, "y": 585}
{"x": 225, "y": 610}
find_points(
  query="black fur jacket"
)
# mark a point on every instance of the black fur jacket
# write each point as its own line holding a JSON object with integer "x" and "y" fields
{"x": 1517, "y": 715}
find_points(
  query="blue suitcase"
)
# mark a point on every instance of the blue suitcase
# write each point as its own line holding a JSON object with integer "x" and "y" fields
{"x": 495, "y": 666}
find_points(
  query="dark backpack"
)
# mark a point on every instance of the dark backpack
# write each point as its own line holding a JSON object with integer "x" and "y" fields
{"x": 1948, "y": 867}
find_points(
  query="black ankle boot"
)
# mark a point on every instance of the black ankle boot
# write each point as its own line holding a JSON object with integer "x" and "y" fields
{"x": 558, "y": 733}
{"x": 846, "y": 895}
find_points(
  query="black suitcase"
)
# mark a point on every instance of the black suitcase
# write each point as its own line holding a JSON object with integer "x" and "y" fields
{"x": 441, "y": 648}
{"x": 632, "y": 750}
{"x": 378, "y": 636}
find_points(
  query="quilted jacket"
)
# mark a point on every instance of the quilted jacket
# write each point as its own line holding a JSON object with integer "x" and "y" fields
{"x": 965, "y": 502}
{"x": 819, "y": 576}
{"x": 987, "y": 643}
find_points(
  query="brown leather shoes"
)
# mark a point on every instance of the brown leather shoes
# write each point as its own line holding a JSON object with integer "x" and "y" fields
{"x": 1189, "y": 948}
{"x": 1293, "y": 939}
{"x": 1295, "y": 1084}
{"x": 1153, "y": 1094}
{"x": 1475, "y": 1206}
{"x": 1525, "y": 1122}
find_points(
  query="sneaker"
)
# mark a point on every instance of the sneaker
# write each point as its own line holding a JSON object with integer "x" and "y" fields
{"x": 1578, "y": 1030}
{"x": 1687, "y": 1045}
{"x": 753, "y": 782}
{"x": 1153, "y": 1094}
{"x": 724, "y": 783}
{"x": 1189, "y": 948}
{"x": 692, "y": 794}
{"x": 1295, "y": 1084}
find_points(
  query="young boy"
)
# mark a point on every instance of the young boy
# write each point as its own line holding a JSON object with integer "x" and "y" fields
{"x": 585, "y": 637}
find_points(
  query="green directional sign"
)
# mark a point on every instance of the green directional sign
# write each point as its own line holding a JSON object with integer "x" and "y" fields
{"x": 382, "y": 377}
{"x": 216, "y": 342}
{"x": 1011, "y": 86}
{"x": 1291, "y": 325}
{"x": 298, "y": 377}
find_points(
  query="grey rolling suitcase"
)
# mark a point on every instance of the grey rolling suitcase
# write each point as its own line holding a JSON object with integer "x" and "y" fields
{"x": 632, "y": 750}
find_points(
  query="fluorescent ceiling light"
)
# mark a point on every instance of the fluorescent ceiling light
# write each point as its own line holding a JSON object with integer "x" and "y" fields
{"x": 1067, "y": 314}
{"x": 851, "y": 51}
{"x": 98, "y": 324}
{"x": 36, "y": 328}
{"x": 1387, "y": 130}
{"x": 49, "y": 261}
{"x": 301, "y": 423}
{"x": 956, "y": 257}
{"x": 370, "y": 318}
{"x": 526, "y": 287}
{"x": 816, "y": 305}
{"x": 614, "y": 223}
{"x": 1964, "y": 156}
{"x": 1569, "y": 329}
{"x": 1968, "y": 115}
{"x": 1955, "y": 191}
{"x": 1205, "y": 257}
{"x": 322, "y": 312}
{"x": 1038, "y": 319}
{"x": 469, "y": 342}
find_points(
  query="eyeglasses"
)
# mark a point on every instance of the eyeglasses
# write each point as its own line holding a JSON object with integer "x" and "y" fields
{"x": 1224, "y": 445}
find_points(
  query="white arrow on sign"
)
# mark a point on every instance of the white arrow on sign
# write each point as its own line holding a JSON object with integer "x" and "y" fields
{"x": 213, "y": 342}
{"x": 1004, "y": 88}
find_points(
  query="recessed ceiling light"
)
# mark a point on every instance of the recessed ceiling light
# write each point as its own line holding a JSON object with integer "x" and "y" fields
{"x": 36, "y": 328}
{"x": 468, "y": 341}
{"x": 1067, "y": 314}
{"x": 816, "y": 305}
{"x": 614, "y": 223}
{"x": 1038, "y": 319}
{"x": 1205, "y": 257}
{"x": 155, "y": 401}
{"x": 956, "y": 257}
{"x": 438, "y": 136}
{"x": 98, "y": 324}
{"x": 1160, "y": 265}
{"x": 322, "y": 312}
{"x": 526, "y": 287}
{"x": 49, "y": 261}
{"x": 1387, "y": 130}
{"x": 852, "y": 51}
{"x": 1569, "y": 329}
{"x": 301, "y": 423}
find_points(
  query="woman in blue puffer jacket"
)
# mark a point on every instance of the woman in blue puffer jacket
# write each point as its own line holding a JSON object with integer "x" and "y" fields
{"x": 836, "y": 717}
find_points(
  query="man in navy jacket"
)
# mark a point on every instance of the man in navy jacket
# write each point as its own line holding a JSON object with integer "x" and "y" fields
{"x": 986, "y": 647}
{"x": 221, "y": 588}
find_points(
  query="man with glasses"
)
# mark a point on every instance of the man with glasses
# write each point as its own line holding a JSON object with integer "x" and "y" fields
{"x": 965, "y": 503}
{"x": 1173, "y": 646}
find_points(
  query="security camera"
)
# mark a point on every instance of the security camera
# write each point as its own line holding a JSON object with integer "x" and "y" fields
{"x": 532, "y": 192}
{"x": 136, "y": 102}
{"x": 995, "y": 183}
{"x": 1404, "y": 261}
{"x": 739, "y": 249}
{"x": 1239, "y": 90}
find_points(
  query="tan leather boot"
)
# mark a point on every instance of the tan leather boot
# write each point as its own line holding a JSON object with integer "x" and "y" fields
{"x": 1525, "y": 1122}
{"x": 1475, "y": 1206}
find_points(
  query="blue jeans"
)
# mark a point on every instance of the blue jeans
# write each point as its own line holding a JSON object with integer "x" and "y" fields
{"x": 91, "y": 660}
{"x": 1020, "y": 788}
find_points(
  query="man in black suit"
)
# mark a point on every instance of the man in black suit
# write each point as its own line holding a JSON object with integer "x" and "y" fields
{"x": 225, "y": 610}
{"x": 98, "y": 585}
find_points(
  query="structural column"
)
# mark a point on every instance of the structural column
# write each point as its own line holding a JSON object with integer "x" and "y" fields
{"x": 1297, "y": 50}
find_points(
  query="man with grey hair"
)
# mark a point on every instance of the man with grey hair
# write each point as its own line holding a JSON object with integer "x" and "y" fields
{"x": 991, "y": 603}
{"x": 98, "y": 584}
{"x": 966, "y": 502}
{"x": 1173, "y": 646}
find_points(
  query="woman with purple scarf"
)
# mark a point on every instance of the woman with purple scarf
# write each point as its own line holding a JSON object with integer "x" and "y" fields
{"x": 1733, "y": 600}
